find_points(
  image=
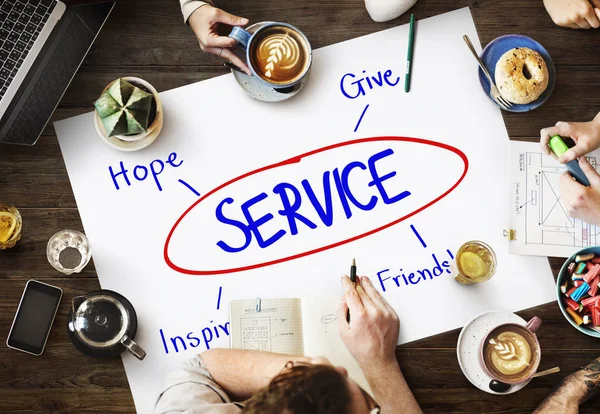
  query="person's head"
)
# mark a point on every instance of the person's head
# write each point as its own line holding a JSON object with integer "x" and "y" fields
{"x": 317, "y": 388}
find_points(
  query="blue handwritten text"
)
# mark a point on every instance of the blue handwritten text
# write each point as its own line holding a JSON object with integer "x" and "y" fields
{"x": 291, "y": 201}
{"x": 403, "y": 278}
{"x": 352, "y": 87}
{"x": 177, "y": 343}
{"x": 141, "y": 172}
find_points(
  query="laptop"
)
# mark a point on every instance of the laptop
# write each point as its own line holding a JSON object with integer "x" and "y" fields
{"x": 42, "y": 44}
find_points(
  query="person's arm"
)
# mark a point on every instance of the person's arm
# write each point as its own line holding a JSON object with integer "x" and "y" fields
{"x": 574, "y": 390}
{"x": 241, "y": 373}
{"x": 575, "y": 14}
{"x": 371, "y": 337}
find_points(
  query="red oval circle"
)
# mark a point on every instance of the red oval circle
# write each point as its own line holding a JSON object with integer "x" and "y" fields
{"x": 297, "y": 159}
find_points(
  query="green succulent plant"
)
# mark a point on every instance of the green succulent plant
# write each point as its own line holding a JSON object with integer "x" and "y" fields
{"x": 124, "y": 109}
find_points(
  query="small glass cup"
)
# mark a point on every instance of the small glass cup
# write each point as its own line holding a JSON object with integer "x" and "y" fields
{"x": 69, "y": 251}
{"x": 475, "y": 262}
{"x": 10, "y": 226}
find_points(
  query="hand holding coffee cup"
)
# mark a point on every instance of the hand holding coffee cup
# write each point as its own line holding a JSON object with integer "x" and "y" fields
{"x": 511, "y": 353}
{"x": 278, "y": 54}
{"x": 205, "y": 22}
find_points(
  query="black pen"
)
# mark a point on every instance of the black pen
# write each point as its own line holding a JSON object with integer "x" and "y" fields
{"x": 353, "y": 280}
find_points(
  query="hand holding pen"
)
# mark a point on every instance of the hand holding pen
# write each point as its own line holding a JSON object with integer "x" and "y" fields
{"x": 372, "y": 333}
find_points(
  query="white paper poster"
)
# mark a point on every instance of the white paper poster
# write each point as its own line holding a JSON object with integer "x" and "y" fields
{"x": 274, "y": 200}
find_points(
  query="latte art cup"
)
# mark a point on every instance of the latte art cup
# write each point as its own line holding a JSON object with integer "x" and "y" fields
{"x": 278, "y": 54}
{"x": 529, "y": 330}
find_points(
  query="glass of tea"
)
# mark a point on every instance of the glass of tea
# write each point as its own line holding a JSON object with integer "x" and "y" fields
{"x": 475, "y": 262}
{"x": 69, "y": 251}
{"x": 10, "y": 226}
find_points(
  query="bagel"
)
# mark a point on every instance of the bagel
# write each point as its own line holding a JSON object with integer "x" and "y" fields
{"x": 521, "y": 75}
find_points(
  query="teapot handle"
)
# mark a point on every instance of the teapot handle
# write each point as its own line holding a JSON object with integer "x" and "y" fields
{"x": 132, "y": 347}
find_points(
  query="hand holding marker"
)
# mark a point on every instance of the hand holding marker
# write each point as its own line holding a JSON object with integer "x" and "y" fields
{"x": 559, "y": 147}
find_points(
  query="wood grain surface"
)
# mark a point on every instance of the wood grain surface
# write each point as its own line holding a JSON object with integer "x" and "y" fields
{"x": 147, "y": 38}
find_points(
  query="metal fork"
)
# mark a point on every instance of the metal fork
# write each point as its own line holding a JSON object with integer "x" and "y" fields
{"x": 500, "y": 100}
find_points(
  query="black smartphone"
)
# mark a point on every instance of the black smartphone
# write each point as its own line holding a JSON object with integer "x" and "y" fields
{"x": 34, "y": 318}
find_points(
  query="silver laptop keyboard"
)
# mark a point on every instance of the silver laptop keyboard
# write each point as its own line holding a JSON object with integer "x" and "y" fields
{"x": 20, "y": 24}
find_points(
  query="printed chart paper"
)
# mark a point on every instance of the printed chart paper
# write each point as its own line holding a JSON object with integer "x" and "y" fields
{"x": 537, "y": 213}
{"x": 274, "y": 200}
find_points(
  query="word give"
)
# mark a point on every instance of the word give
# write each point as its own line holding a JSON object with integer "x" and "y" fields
{"x": 353, "y": 89}
{"x": 291, "y": 201}
{"x": 141, "y": 172}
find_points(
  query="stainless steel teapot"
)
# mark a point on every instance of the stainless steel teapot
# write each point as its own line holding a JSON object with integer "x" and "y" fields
{"x": 103, "y": 323}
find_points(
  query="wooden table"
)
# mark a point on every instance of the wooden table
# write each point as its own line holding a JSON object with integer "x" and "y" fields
{"x": 147, "y": 38}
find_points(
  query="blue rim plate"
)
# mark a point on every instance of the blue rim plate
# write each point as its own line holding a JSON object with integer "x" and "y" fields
{"x": 496, "y": 48}
{"x": 563, "y": 274}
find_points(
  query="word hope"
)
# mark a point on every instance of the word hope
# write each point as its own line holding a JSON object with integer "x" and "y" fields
{"x": 141, "y": 172}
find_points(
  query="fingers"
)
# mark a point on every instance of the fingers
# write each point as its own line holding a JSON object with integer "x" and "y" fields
{"x": 582, "y": 22}
{"x": 342, "y": 315}
{"x": 591, "y": 17}
{"x": 567, "y": 185}
{"x": 597, "y": 10}
{"x": 561, "y": 128}
{"x": 374, "y": 294}
{"x": 580, "y": 149}
{"x": 353, "y": 300}
{"x": 365, "y": 298}
{"x": 220, "y": 41}
{"x": 589, "y": 171}
{"x": 226, "y": 53}
{"x": 222, "y": 16}
{"x": 565, "y": 129}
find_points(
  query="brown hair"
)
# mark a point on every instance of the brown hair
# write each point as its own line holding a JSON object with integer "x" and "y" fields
{"x": 303, "y": 389}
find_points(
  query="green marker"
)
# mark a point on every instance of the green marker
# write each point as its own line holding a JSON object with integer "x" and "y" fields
{"x": 558, "y": 146}
{"x": 409, "y": 55}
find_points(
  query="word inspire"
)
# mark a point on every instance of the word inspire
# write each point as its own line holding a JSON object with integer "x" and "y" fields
{"x": 193, "y": 341}
{"x": 291, "y": 201}
{"x": 413, "y": 278}
{"x": 352, "y": 89}
{"x": 141, "y": 172}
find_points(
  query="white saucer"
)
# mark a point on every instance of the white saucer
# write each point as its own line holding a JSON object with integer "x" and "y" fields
{"x": 253, "y": 86}
{"x": 467, "y": 348}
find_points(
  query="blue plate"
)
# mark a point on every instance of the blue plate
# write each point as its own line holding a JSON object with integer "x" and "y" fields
{"x": 497, "y": 47}
{"x": 563, "y": 275}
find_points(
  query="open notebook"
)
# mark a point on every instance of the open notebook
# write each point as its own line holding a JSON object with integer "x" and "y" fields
{"x": 305, "y": 326}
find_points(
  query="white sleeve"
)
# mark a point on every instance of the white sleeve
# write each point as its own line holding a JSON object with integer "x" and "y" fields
{"x": 190, "y": 6}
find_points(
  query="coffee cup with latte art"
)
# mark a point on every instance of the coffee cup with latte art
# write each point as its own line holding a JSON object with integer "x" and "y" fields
{"x": 278, "y": 54}
{"x": 511, "y": 353}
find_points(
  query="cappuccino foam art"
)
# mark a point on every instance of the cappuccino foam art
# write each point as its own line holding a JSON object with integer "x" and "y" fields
{"x": 280, "y": 55}
{"x": 510, "y": 353}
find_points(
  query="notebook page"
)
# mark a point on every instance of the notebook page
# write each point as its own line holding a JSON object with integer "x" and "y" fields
{"x": 321, "y": 337}
{"x": 276, "y": 328}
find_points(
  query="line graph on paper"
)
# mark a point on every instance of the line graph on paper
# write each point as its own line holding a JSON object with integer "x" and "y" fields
{"x": 538, "y": 213}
